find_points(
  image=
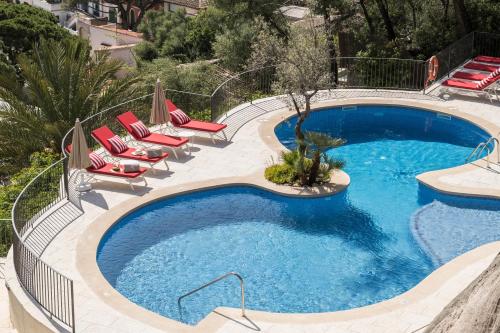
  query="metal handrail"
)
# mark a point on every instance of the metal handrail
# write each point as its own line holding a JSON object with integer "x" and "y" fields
{"x": 478, "y": 151}
{"x": 493, "y": 140}
{"x": 242, "y": 286}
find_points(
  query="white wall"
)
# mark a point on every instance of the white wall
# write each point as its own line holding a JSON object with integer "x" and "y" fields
{"x": 56, "y": 8}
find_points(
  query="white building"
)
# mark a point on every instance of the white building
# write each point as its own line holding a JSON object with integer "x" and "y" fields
{"x": 53, "y": 6}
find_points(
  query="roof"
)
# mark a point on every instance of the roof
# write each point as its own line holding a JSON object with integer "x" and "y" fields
{"x": 294, "y": 13}
{"x": 196, "y": 4}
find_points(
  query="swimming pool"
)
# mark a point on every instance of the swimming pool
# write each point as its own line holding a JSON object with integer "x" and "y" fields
{"x": 367, "y": 244}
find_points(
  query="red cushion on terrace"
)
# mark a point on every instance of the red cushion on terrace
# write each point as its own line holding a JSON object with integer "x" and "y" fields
{"x": 126, "y": 119}
{"x": 107, "y": 170}
{"x": 102, "y": 134}
{"x": 117, "y": 144}
{"x": 461, "y": 84}
{"x": 203, "y": 126}
{"x": 179, "y": 117}
{"x": 140, "y": 129}
{"x": 97, "y": 161}
{"x": 170, "y": 105}
{"x": 481, "y": 67}
{"x": 166, "y": 140}
{"x": 494, "y": 60}
{"x": 470, "y": 76}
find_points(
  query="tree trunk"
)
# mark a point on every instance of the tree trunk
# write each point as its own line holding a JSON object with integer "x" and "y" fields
{"x": 331, "y": 48}
{"x": 367, "y": 17}
{"x": 474, "y": 310}
{"x": 313, "y": 173}
{"x": 462, "y": 17}
{"x": 389, "y": 27}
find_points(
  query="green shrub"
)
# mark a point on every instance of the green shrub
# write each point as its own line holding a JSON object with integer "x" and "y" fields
{"x": 280, "y": 174}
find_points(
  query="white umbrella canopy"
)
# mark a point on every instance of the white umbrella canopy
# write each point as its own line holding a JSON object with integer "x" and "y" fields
{"x": 79, "y": 156}
{"x": 159, "y": 112}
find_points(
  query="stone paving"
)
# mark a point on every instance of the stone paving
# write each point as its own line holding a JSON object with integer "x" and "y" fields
{"x": 246, "y": 155}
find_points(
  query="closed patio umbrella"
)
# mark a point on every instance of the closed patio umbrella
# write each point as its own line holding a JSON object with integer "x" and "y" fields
{"x": 159, "y": 112}
{"x": 79, "y": 156}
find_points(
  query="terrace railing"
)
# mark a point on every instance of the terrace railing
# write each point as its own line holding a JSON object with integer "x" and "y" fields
{"x": 52, "y": 290}
{"x": 465, "y": 49}
{"x": 353, "y": 72}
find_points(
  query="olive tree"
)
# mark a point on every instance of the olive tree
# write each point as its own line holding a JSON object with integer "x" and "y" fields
{"x": 302, "y": 69}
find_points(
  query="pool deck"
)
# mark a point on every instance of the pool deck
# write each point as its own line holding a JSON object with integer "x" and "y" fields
{"x": 100, "y": 308}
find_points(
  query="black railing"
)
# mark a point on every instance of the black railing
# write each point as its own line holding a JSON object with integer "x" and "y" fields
{"x": 365, "y": 73}
{"x": 465, "y": 49}
{"x": 52, "y": 290}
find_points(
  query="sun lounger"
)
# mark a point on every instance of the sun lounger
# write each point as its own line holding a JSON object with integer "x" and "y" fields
{"x": 101, "y": 167}
{"x": 128, "y": 120}
{"x": 187, "y": 123}
{"x": 103, "y": 136}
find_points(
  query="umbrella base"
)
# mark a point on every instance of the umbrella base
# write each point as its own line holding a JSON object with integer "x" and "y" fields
{"x": 83, "y": 187}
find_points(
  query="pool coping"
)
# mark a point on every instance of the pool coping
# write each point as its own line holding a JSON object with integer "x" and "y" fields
{"x": 88, "y": 242}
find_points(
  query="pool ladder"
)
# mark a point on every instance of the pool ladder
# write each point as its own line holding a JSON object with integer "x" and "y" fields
{"x": 476, "y": 153}
{"x": 242, "y": 287}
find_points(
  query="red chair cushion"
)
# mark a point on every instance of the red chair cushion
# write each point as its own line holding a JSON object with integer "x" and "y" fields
{"x": 494, "y": 60}
{"x": 117, "y": 144}
{"x": 204, "y": 126}
{"x": 139, "y": 129}
{"x": 97, "y": 161}
{"x": 179, "y": 117}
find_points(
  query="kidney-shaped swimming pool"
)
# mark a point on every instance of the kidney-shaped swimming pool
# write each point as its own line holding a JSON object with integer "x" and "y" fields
{"x": 309, "y": 255}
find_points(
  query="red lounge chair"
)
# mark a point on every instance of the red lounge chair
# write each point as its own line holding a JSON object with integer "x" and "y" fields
{"x": 493, "y": 60}
{"x": 102, "y": 134}
{"x": 469, "y": 76}
{"x": 107, "y": 170}
{"x": 173, "y": 142}
{"x": 199, "y": 126}
{"x": 480, "y": 67}
{"x": 473, "y": 85}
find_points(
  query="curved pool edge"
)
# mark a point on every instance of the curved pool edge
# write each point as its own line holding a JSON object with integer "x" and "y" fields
{"x": 420, "y": 293}
{"x": 88, "y": 242}
{"x": 431, "y": 179}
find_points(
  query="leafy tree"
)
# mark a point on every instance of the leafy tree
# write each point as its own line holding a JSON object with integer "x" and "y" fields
{"x": 202, "y": 31}
{"x": 233, "y": 47}
{"x": 167, "y": 31}
{"x": 23, "y": 25}
{"x": 247, "y": 11}
{"x": 199, "y": 78}
{"x": 176, "y": 35}
{"x": 62, "y": 82}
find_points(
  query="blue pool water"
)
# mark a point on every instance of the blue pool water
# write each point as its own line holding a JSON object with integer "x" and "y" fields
{"x": 367, "y": 244}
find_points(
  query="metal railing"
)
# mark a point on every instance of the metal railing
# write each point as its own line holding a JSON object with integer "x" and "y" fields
{"x": 465, "y": 49}
{"x": 242, "y": 288}
{"x": 353, "y": 72}
{"x": 52, "y": 290}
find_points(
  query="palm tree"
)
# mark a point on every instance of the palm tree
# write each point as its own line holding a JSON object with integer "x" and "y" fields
{"x": 62, "y": 81}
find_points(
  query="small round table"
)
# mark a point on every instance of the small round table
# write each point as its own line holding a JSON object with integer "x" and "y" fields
{"x": 188, "y": 135}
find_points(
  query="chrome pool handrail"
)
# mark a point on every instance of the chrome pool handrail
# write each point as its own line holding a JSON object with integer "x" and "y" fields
{"x": 242, "y": 287}
{"x": 478, "y": 151}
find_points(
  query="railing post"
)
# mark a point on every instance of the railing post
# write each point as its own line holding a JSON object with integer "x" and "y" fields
{"x": 66, "y": 176}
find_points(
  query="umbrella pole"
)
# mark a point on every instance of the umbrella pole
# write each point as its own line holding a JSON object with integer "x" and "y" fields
{"x": 83, "y": 186}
